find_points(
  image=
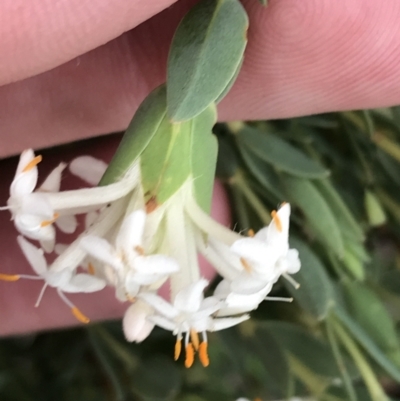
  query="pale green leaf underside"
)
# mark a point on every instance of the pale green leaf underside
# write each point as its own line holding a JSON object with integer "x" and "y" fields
{"x": 177, "y": 152}
{"x": 143, "y": 127}
{"x": 205, "y": 54}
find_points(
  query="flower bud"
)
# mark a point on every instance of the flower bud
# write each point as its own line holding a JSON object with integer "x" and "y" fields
{"x": 135, "y": 324}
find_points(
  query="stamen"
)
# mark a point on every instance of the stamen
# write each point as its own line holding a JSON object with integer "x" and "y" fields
{"x": 129, "y": 298}
{"x": 79, "y": 315}
{"x": 41, "y": 295}
{"x": 251, "y": 233}
{"x": 280, "y": 299}
{"x": 195, "y": 339}
{"x": 33, "y": 163}
{"x": 139, "y": 249}
{"x": 276, "y": 220}
{"x": 9, "y": 277}
{"x": 246, "y": 265}
{"x": 151, "y": 205}
{"x": 291, "y": 280}
{"x": 189, "y": 355}
{"x": 257, "y": 399}
{"x": 203, "y": 354}
{"x": 178, "y": 349}
{"x": 91, "y": 269}
{"x": 46, "y": 223}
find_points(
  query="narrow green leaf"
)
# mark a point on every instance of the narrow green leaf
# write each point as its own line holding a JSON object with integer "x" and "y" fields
{"x": 314, "y": 353}
{"x": 143, "y": 127}
{"x": 365, "y": 340}
{"x": 304, "y": 194}
{"x": 263, "y": 172}
{"x": 344, "y": 217}
{"x": 375, "y": 212}
{"x": 281, "y": 154}
{"x": 205, "y": 54}
{"x": 367, "y": 309}
{"x": 157, "y": 379}
{"x": 315, "y": 294}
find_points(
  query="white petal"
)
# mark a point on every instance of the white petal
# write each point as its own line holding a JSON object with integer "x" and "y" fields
{"x": 223, "y": 289}
{"x": 48, "y": 244}
{"x": 294, "y": 263}
{"x": 254, "y": 250}
{"x": 53, "y": 181}
{"x": 58, "y": 279}
{"x": 189, "y": 299}
{"x": 131, "y": 231}
{"x": 90, "y": 218}
{"x": 100, "y": 249}
{"x": 142, "y": 278}
{"x": 135, "y": 324}
{"x": 248, "y": 284}
{"x": 67, "y": 224}
{"x": 226, "y": 322}
{"x": 33, "y": 255}
{"x": 88, "y": 169}
{"x": 208, "y": 306}
{"x": 37, "y": 204}
{"x": 24, "y": 181}
{"x": 131, "y": 286}
{"x": 84, "y": 283}
{"x": 163, "y": 322}
{"x": 156, "y": 264}
{"x": 160, "y": 305}
{"x": 239, "y": 303}
{"x": 262, "y": 235}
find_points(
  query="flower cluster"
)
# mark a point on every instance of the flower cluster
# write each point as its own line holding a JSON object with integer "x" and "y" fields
{"x": 136, "y": 247}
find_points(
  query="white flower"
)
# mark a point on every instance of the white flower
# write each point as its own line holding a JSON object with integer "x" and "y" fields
{"x": 32, "y": 214}
{"x": 131, "y": 267}
{"x": 64, "y": 281}
{"x": 266, "y": 256}
{"x": 190, "y": 314}
{"x": 135, "y": 324}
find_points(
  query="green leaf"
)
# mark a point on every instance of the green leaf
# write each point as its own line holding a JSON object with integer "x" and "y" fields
{"x": 315, "y": 354}
{"x": 177, "y": 151}
{"x": 263, "y": 172}
{"x": 204, "y": 149}
{"x": 205, "y": 54}
{"x": 315, "y": 294}
{"x": 304, "y": 194}
{"x": 281, "y": 154}
{"x": 143, "y": 127}
{"x": 157, "y": 379}
{"x": 365, "y": 340}
{"x": 344, "y": 217}
{"x": 367, "y": 309}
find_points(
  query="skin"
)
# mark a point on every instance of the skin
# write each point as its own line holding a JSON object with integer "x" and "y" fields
{"x": 75, "y": 71}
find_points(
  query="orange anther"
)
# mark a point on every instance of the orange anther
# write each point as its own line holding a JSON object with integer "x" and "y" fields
{"x": 9, "y": 277}
{"x": 246, "y": 265}
{"x": 195, "y": 339}
{"x": 178, "y": 349}
{"x": 203, "y": 355}
{"x": 33, "y": 163}
{"x": 79, "y": 315}
{"x": 257, "y": 399}
{"x": 46, "y": 223}
{"x": 251, "y": 232}
{"x": 151, "y": 205}
{"x": 139, "y": 249}
{"x": 189, "y": 355}
{"x": 91, "y": 269}
{"x": 276, "y": 220}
